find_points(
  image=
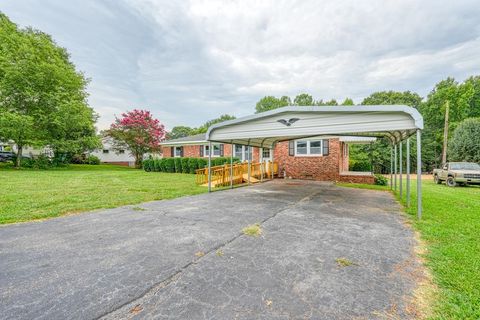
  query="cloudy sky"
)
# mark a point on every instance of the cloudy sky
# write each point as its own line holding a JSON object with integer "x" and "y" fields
{"x": 190, "y": 61}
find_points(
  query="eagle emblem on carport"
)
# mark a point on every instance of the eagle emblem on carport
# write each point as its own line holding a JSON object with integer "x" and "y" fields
{"x": 288, "y": 122}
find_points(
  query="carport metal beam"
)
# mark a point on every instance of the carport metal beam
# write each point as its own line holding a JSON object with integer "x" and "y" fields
{"x": 408, "y": 172}
{"x": 400, "y": 164}
{"x": 419, "y": 174}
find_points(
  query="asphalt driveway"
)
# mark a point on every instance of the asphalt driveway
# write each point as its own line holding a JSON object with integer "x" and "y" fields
{"x": 324, "y": 252}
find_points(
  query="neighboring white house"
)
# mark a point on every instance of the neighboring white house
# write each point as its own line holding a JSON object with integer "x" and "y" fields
{"x": 27, "y": 150}
{"x": 107, "y": 154}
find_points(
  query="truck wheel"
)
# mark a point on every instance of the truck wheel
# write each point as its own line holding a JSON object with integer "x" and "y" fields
{"x": 451, "y": 182}
{"x": 437, "y": 180}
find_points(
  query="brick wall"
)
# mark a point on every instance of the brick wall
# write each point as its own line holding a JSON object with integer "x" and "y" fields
{"x": 344, "y": 157}
{"x": 166, "y": 152}
{"x": 324, "y": 168}
{"x": 357, "y": 179}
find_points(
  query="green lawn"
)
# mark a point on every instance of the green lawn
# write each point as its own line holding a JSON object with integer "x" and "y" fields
{"x": 36, "y": 194}
{"x": 451, "y": 230}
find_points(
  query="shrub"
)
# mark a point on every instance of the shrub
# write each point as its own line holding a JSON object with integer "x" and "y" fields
{"x": 93, "y": 160}
{"x": 359, "y": 165}
{"x": 169, "y": 164}
{"x": 201, "y": 163}
{"x": 163, "y": 167}
{"x": 465, "y": 141}
{"x": 381, "y": 180}
{"x": 156, "y": 165}
{"x": 78, "y": 159}
{"x": 185, "y": 167}
{"x": 178, "y": 165}
{"x": 192, "y": 165}
{"x": 146, "y": 164}
{"x": 38, "y": 162}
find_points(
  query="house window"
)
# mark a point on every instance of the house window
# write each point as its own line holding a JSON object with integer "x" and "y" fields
{"x": 308, "y": 148}
{"x": 238, "y": 152}
{"x": 243, "y": 152}
{"x": 105, "y": 151}
{"x": 216, "y": 150}
{"x": 177, "y": 152}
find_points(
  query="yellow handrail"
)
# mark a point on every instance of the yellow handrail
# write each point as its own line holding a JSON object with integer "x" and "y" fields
{"x": 221, "y": 174}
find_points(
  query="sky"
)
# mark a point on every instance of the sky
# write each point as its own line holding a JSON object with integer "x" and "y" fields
{"x": 191, "y": 61}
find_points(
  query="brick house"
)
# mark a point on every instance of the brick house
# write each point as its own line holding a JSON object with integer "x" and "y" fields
{"x": 320, "y": 158}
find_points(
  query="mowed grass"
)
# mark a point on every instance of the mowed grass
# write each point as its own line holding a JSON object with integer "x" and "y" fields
{"x": 450, "y": 227}
{"x": 37, "y": 194}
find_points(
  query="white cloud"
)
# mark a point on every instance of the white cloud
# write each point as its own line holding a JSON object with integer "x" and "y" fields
{"x": 189, "y": 61}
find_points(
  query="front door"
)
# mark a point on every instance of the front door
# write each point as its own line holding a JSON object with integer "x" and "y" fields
{"x": 267, "y": 154}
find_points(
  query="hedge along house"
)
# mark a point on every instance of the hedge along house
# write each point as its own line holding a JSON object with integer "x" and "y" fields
{"x": 301, "y": 123}
{"x": 319, "y": 158}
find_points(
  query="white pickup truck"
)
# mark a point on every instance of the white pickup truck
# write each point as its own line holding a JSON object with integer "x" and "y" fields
{"x": 455, "y": 173}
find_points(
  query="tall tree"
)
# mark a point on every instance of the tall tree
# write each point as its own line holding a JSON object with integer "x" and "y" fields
{"x": 332, "y": 102}
{"x": 463, "y": 100}
{"x": 465, "y": 142}
{"x": 180, "y": 132}
{"x": 38, "y": 80}
{"x": 393, "y": 97}
{"x": 380, "y": 150}
{"x": 224, "y": 117}
{"x": 138, "y": 132}
{"x": 303, "y": 99}
{"x": 269, "y": 103}
{"x": 348, "y": 102}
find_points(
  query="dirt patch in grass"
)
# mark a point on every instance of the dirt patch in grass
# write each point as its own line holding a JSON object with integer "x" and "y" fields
{"x": 253, "y": 230}
{"x": 426, "y": 292}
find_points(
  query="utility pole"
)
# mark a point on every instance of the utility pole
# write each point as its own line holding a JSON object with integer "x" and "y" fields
{"x": 445, "y": 134}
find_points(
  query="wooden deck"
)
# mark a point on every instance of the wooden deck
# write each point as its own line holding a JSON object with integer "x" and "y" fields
{"x": 221, "y": 174}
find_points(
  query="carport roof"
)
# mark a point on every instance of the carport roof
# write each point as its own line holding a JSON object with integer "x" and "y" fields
{"x": 395, "y": 122}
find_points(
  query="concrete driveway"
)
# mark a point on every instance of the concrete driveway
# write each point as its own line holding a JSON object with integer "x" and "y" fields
{"x": 325, "y": 252}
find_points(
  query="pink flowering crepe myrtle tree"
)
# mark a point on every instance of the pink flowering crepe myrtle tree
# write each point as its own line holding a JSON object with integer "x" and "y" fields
{"x": 138, "y": 131}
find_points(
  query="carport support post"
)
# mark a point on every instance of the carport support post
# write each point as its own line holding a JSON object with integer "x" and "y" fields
{"x": 272, "y": 154}
{"x": 419, "y": 174}
{"x": 408, "y": 172}
{"x": 395, "y": 167}
{"x": 231, "y": 165}
{"x": 209, "y": 166}
{"x": 391, "y": 167}
{"x": 261, "y": 164}
{"x": 249, "y": 162}
{"x": 400, "y": 164}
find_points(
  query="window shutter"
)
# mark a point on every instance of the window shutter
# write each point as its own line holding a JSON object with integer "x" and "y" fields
{"x": 202, "y": 147}
{"x": 181, "y": 151}
{"x": 221, "y": 150}
{"x": 291, "y": 148}
{"x": 326, "y": 147}
{"x": 172, "y": 151}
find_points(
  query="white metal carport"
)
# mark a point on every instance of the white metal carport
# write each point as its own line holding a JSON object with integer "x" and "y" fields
{"x": 394, "y": 122}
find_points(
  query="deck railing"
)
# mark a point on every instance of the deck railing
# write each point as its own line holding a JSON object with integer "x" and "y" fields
{"x": 221, "y": 174}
